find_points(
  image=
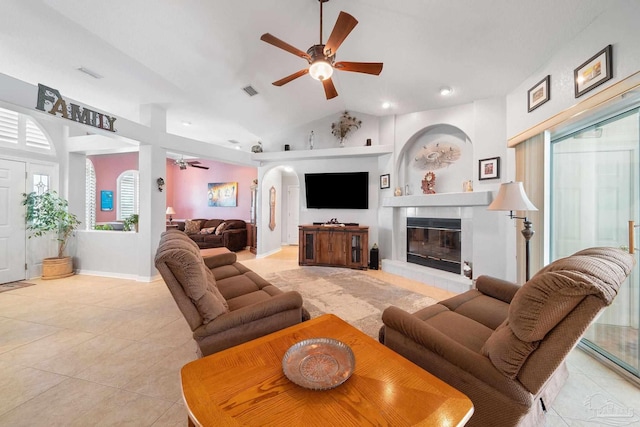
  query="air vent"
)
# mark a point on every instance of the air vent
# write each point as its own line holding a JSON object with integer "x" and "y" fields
{"x": 233, "y": 141}
{"x": 89, "y": 72}
{"x": 250, "y": 90}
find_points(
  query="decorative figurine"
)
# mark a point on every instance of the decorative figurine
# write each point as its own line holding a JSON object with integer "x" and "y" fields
{"x": 257, "y": 148}
{"x": 398, "y": 191}
{"x": 429, "y": 183}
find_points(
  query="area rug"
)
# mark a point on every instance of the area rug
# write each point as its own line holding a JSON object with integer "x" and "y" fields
{"x": 5, "y": 287}
{"x": 356, "y": 297}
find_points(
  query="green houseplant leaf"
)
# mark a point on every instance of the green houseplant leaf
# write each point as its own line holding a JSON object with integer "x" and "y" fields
{"x": 49, "y": 213}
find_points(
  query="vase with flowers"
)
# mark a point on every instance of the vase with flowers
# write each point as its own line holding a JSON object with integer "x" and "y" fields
{"x": 343, "y": 127}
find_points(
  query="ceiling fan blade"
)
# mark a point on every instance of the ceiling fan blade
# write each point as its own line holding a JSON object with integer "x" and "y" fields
{"x": 341, "y": 30}
{"x": 291, "y": 77}
{"x": 198, "y": 166}
{"x": 359, "y": 67}
{"x": 329, "y": 89}
{"x": 273, "y": 40}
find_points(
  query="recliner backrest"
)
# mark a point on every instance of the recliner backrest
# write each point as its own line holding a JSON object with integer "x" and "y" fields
{"x": 549, "y": 314}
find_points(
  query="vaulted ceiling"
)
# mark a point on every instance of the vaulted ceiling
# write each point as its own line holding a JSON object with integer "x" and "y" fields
{"x": 193, "y": 57}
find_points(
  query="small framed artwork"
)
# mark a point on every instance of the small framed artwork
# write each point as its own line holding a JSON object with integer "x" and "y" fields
{"x": 489, "y": 168}
{"x": 384, "y": 181}
{"x": 539, "y": 94}
{"x": 106, "y": 200}
{"x": 595, "y": 71}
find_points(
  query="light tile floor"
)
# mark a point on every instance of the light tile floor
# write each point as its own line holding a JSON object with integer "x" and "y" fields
{"x": 107, "y": 352}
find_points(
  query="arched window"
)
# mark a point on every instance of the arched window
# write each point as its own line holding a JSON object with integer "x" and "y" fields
{"x": 90, "y": 196}
{"x": 22, "y": 132}
{"x": 128, "y": 200}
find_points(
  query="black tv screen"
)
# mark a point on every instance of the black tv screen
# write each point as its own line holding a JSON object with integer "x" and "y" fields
{"x": 340, "y": 190}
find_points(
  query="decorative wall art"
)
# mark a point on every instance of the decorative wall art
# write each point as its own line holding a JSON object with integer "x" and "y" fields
{"x": 539, "y": 94}
{"x": 489, "y": 168}
{"x": 385, "y": 181}
{"x": 106, "y": 200}
{"x": 595, "y": 71}
{"x": 272, "y": 208}
{"x": 223, "y": 194}
{"x": 437, "y": 155}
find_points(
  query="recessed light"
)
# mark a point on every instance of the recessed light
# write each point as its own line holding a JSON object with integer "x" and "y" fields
{"x": 237, "y": 147}
{"x": 185, "y": 123}
{"x": 446, "y": 91}
{"x": 386, "y": 105}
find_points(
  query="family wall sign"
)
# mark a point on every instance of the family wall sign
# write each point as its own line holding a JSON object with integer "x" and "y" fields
{"x": 50, "y": 101}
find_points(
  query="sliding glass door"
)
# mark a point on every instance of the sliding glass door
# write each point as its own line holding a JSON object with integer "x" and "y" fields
{"x": 595, "y": 185}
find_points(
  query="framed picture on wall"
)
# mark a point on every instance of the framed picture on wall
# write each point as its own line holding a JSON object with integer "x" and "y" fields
{"x": 539, "y": 94}
{"x": 595, "y": 71}
{"x": 384, "y": 181}
{"x": 489, "y": 168}
{"x": 222, "y": 194}
{"x": 106, "y": 200}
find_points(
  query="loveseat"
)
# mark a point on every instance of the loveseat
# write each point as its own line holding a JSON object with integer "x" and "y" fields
{"x": 503, "y": 345}
{"x": 216, "y": 233}
{"x": 224, "y": 302}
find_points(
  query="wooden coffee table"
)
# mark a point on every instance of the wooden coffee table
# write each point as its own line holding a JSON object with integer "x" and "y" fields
{"x": 245, "y": 385}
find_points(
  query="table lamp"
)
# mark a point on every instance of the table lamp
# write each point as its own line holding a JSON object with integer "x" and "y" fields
{"x": 512, "y": 197}
{"x": 170, "y": 212}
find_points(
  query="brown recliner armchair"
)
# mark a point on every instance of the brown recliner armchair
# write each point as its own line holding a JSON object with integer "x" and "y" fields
{"x": 503, "y": 345}
{"x": 224, "y": 302}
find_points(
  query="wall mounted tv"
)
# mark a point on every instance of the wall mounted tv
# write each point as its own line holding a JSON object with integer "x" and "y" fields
{"x": 338, "y": 190}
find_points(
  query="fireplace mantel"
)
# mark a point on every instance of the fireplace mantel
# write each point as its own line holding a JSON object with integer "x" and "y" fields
{"x": 474, "y": 198}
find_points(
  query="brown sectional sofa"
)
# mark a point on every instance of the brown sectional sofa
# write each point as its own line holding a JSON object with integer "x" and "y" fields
{"x": 224, "y": 302}
{"x": 233, "y": 236}
{"x": 504, "y": 345}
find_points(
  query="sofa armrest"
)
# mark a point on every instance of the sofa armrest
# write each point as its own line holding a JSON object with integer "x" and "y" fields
{"x": 235, "y": 239}
{"x": 286, "y": 301}
{"x": 213, "y": 261}
{"x": 497, "y": 288}
{"x": 431, "y": 339}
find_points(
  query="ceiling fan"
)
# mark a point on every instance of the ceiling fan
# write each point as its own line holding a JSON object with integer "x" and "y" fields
{"x": 322, "y": 57}
{"x": 183, "y": 164}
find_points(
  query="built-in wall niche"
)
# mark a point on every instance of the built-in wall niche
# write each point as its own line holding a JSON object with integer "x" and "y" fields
{"x": 442, "y": 149}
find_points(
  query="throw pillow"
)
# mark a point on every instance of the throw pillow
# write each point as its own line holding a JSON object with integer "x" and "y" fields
{"x": 208, "y": 230}
{"x": 221, "y": 228}
{"x": 191, "y": 226}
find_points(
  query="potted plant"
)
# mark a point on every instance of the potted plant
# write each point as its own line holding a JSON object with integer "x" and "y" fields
{"x": 49, "y": 213}
{"x": 131, "y": 223}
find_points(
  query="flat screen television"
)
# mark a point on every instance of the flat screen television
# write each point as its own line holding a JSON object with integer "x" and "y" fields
{"x": 338, "y": 190}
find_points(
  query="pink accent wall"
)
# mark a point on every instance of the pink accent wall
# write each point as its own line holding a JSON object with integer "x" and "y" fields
{"x": 108, "y": 168}
{"x": 187, "y": 190}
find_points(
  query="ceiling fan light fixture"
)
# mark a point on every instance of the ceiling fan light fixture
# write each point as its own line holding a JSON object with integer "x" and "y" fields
{"x": 320, "y": 70}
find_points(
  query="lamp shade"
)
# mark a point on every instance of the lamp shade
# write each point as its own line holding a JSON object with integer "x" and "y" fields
{"x": 320, "y": 70}
{"x": 170, "y": 211}
{"x": 512, "y": 197}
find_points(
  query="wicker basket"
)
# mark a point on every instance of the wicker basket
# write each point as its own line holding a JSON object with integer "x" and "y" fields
{"x": 57, "y": 267}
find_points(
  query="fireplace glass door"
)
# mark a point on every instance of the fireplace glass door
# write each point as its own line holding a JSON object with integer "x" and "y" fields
{"x": 435, "y": 243}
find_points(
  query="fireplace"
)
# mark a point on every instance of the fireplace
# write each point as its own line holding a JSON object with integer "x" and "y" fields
{"x": 435, "y": 243}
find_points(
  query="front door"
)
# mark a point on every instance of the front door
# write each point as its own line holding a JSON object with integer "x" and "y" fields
{"x": 12, "y": 225}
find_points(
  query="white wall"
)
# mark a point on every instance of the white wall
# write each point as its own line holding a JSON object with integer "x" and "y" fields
{"x": 617, "y": 26}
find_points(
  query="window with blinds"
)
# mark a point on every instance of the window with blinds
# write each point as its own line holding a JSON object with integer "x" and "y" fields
{"x": 90, "y": 196}
{"x": 21, "y": 131}
{"x": 9, "y": 126}
{"x": 127, "y": 200}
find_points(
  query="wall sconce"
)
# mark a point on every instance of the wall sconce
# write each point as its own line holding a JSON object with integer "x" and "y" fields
{"x": 160, "y": 182}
